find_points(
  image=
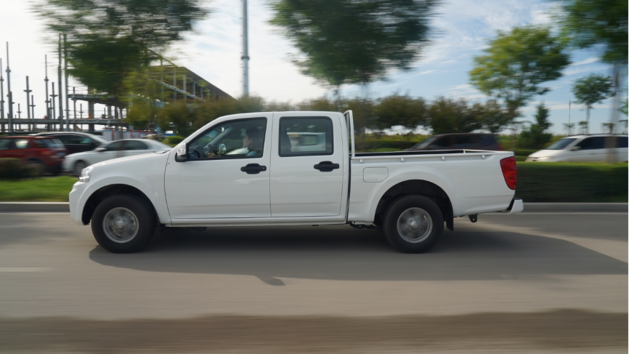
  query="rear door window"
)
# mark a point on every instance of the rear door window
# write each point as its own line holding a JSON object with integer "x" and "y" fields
{"x": 305, "y": 136}
{"x": 592, "y": 143}
{"x": 21, "y": 144}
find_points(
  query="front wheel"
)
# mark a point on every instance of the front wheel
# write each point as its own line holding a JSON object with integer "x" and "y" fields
{"x": 413, "y": 224}
{"x": 123, "y": 223}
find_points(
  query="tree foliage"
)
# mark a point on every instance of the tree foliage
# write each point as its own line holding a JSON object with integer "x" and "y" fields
{"x": 348, "y": 42}
{"x": 446, "y": 115}
{"x": 591, "y": 90}
{"x": 400, "y": 110}
{"x": 516, "y": 64}
{"x": 590, "y": 23}
{"x": 109, "y": 39}
{"x": 493, "y": 117}
{"x": 535, "y": 137}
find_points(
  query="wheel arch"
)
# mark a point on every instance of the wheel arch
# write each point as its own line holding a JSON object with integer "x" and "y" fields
{"x": 108, "y": 191}
{"x": 419, "y": 187}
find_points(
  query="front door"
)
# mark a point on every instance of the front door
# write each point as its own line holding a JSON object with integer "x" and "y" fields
{"x": 307, "y": 167}
{"x": 226, "y": 174}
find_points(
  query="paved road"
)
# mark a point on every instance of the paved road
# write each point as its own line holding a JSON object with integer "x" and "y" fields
{"x": 529, "y": 283}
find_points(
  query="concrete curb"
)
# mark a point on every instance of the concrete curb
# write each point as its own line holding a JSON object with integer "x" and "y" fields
{"x": 61, "y": 207}
{"x": 20, "y": 207}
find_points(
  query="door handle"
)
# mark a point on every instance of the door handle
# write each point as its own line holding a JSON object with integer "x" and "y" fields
{"x": 326, "y": 166}
{"x": 253, "y": 168}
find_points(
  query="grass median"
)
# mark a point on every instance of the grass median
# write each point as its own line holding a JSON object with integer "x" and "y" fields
{"x": 537, "y": 182}
{"x": 45, "y": 189}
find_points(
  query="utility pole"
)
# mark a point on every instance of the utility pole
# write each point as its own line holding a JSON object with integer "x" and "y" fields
{"x": 59, "y": 83}
{"x": 610, "y": 141}
{"x": 245, "y": 50}
{"x": 1, "y": 92}
{"x": 65, "y": 63}
{"x": 52, "y": 106}
{"x": 9, "y": 93}
{"x": 28, "y": 100}
{"x": 46, "y": 83}
{"x": 569, "y": 126}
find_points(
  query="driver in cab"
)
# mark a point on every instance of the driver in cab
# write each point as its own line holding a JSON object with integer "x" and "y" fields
{"x": 252, "y": 140}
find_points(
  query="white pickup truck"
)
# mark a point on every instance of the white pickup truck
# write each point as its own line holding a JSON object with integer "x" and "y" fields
{"x": 290, "y": 168}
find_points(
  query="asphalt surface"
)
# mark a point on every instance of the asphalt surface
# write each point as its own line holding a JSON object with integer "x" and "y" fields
{"x": 529, "y": 283}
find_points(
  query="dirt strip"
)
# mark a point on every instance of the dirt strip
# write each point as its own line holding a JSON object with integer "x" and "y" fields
{"x": 560, "y": 330}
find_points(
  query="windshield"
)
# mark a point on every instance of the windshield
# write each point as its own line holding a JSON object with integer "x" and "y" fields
{"x": 561, "y": 144}
{"x": 424, "y": 143}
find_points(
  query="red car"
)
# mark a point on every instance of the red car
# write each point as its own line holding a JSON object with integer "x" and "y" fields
{"x": 45, "y": 153}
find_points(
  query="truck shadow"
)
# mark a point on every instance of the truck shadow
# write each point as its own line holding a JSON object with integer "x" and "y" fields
{"x": 341, "y": 253}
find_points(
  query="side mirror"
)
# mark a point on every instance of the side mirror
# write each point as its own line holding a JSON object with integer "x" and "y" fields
{"x": 100, "y": 149}
{"x": 182, "y": 154}
{"x": 576, "y": 148}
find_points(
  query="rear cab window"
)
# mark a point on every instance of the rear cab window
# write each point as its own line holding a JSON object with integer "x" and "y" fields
{"x": 305, "y": 136}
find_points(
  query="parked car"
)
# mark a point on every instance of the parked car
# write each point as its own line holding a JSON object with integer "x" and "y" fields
{"x": 410, "y": 195}
{"x": 74, "y": 163}
{"x": 472, "y": 141}
{"x": 76, "y": 141}
{"x": 581, "y": 148}
{"x": 44, "y": 153}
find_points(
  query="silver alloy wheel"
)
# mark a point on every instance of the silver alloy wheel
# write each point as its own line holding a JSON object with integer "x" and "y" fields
{"x": 120, "y": 225}
{"x": 414, "y": 225}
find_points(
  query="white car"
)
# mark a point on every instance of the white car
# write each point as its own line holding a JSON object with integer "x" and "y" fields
{"x": 581, "y": 148}
{"x": 74, "y": 163}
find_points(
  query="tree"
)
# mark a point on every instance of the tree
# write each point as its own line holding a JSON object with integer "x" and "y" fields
{"x": 447, "y": 115}
{"x": 108, "y": 39}
{"x": 400, "y": 110}
{"x": 591, "y": 90}
{"x": 493, "y": 117}
{"x": 353, "y": 42}
{"x": 535, "y": 137}
{"x": 600, "y": 24}
{"x": 517, "y": 63}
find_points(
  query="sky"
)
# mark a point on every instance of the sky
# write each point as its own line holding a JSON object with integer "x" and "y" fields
{"x": 460, "y": 31}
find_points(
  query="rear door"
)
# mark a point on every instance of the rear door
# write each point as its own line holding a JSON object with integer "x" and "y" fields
{"x": 307, "y": 166}
{"x": 591, "y": 149}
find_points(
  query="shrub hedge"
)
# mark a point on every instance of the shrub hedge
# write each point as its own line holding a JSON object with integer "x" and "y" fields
{"x": 571, "y": 182}
{"x": 15, "y": 169}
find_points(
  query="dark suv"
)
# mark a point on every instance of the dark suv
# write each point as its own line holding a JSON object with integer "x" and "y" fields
{"x": 472, "y": 141}
{"x": 76, "y": 141}
{"x": 44, "y": 153}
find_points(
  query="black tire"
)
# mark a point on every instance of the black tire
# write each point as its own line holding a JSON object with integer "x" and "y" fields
{"x": 413, "y": 224}
{"x": 78, "y": 167}
{"x": 123, "y": 223}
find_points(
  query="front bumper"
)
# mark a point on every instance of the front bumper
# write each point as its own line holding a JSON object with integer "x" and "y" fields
{"x": 77, "y": 198}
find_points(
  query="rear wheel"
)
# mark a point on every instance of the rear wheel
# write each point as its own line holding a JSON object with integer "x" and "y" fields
{"x": 123, "y": 223}
{"x": 413, "y": 224}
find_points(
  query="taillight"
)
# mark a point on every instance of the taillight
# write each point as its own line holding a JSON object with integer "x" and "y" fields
{"x": 509, "y": 171}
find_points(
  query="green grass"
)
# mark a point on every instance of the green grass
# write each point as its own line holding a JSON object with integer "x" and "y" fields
{"x": 48, "y": 189}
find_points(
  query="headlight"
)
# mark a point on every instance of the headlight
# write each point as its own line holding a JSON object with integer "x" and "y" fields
{"x": 86, "y": 173}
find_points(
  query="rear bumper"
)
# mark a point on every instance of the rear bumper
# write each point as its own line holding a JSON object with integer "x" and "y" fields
{"x": 516, "y": 206}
